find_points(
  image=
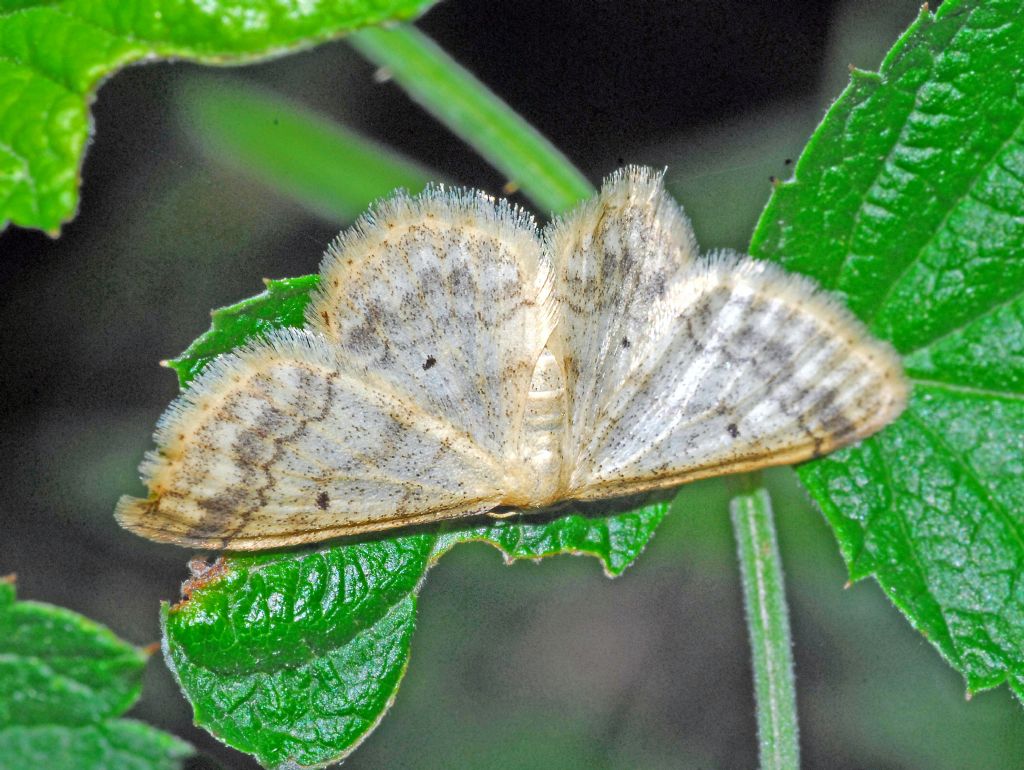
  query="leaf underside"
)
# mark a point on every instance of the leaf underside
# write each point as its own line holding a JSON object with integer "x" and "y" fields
{"x": 909, "y": 202}
{"x": 55, "y": 53}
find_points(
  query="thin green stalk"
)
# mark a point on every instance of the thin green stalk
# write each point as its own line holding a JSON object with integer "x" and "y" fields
{"x": 464, "y": 104}
{"x": 322, "y": 164}
{"x": 768, "y": 624}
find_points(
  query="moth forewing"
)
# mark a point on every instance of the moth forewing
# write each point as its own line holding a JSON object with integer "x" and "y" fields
{"x": 447, "y": 298}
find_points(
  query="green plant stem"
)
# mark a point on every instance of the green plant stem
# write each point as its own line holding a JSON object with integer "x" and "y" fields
{"x": 318, "y": 162}
{"x": 768, "y": 624}
{"x": 473, "y": 112}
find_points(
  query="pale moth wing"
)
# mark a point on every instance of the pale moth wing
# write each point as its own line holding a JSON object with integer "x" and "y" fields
{"x": 400, "y": 403}
{"x": 681, "y": 368}
{"x": 455, "y": 363}
{"x": 446, "y": 297}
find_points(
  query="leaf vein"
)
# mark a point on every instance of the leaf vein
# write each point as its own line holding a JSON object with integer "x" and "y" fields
{"x": 1013, "y": 525}
{"x": 953, "y": 387}
{"x": 983, "y": 313}
{"x": 982, "y": 169}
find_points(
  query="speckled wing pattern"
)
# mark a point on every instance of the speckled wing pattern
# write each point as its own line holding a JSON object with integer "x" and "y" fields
{"x": 398, "y": 404}
{"x": 456, "y": 361}
{"x": 447, "y": 298}
{"x": 680, "y": 368}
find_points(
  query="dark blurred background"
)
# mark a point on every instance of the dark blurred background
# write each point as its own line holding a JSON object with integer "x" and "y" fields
{"x": 528, "y": 666}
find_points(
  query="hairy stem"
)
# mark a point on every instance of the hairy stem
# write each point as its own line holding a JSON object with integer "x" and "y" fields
{"x": 768, "y": 625}
{"x": 473, "y": 112}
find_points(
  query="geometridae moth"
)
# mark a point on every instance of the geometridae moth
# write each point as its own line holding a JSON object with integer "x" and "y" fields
{"x": 455, "y": 361}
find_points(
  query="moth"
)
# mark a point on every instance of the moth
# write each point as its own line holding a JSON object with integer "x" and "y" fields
{"x": 457, "y": 361}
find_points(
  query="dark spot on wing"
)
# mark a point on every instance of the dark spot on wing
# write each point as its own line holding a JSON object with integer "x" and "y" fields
{"x": 219, "y": 510}
{"x": 733, "y": 430}
{"x": 459, "y": 281}
{"x": 625, "y": 342}
{"x": 657, "y": 286}
{"x": 322, "y": 501}
{"x": 429, "y": 363}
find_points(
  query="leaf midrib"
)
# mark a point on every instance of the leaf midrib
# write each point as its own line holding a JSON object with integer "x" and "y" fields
{"x": 974, "y": 475}
{"x": 984, "y": 312}
{"x": 968, "y": 390}
{"x": 983, "y": 168}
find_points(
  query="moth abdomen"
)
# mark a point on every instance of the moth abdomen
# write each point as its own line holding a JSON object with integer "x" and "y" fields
{"x": 544, "y": 431}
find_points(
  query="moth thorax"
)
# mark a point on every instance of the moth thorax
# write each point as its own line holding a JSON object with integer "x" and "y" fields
{"x": 544, "y": 431}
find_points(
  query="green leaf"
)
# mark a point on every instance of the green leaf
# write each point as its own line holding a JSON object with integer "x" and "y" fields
{"x": 909, "y": 202}
{"x": 116, "y": 743}
{"x": 323, "y": 165}
{"x": 295, "y": 657}
{"x": 615, "y": 538}
{"x": 282, "y": 304}
{"x": 54, "y": 54}
{"x": 64, "y": 680}
{"x": 58, "y": 667}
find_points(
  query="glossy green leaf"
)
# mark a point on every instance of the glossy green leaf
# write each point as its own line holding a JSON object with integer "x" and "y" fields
{"x": 323, "y": 165}
{"x": 64, "y": 680}
{"x": 615, "y": 538}
{"x": 909, "y": 202}
{"x": 296, "y": 656}
{"x": 54, "y": 54}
